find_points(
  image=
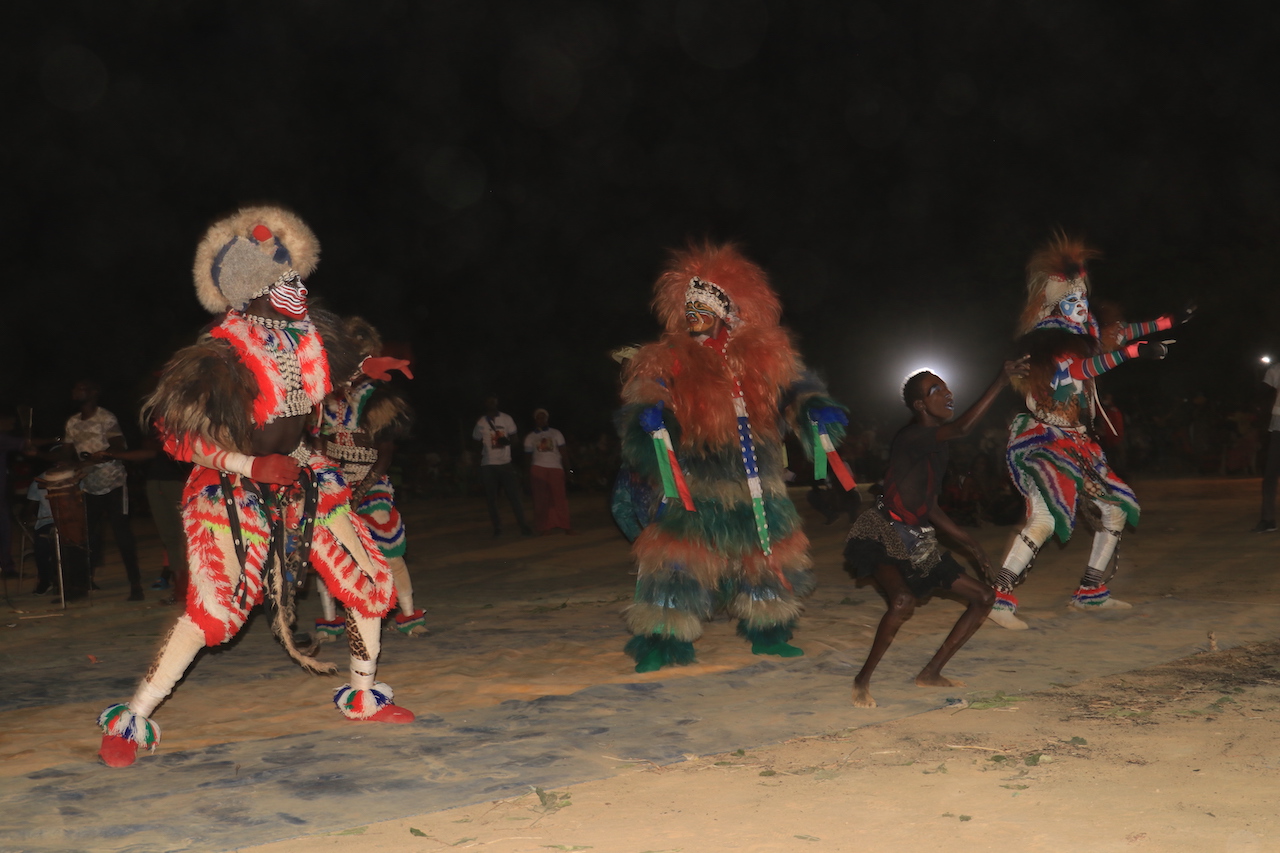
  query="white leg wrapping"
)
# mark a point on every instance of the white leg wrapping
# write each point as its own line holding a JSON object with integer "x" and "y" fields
{"x": 327, "y": 608}
{"x": 362, "y": 673}
{"x": 365, "y": 695}
{"x": 404, "y": 586}
{"x": 1093, "y": 593}
{"x": 132, "y": 722}
{"x": 1035, "y": 533}
{"x": 1107, "y": 539}
{"x": 179, "y": 650}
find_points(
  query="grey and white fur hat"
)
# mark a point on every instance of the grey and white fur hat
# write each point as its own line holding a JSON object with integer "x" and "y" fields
{"x": 242, "y": 256}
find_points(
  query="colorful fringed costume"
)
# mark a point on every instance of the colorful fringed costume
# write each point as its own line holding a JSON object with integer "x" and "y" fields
{"x": 1054, "y": 458}
{"x": 358, "y": 424}
{"x": 705, "y": 415}
{"x": 236, "y": 403}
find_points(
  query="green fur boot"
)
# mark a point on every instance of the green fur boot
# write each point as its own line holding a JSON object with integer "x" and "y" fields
{"x": 771, "y": 640}
{"x": 654, "y": 651}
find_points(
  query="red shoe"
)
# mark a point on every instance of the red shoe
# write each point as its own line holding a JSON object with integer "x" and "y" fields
{"x": 119, "y": 751}
{"x": 391, "y": 714}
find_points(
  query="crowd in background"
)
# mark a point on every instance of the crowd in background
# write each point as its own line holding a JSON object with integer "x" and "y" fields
{"x": 1196, "y": 436}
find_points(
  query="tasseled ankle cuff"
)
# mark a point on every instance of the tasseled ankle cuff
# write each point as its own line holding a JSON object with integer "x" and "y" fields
{"x": 119, "y": 721}
{"x": 1090, "y": 596}
{"x": 1005, "y": 601}
{"x": 411, "y": 623}
{"x": 331, "y": 628}
{"x": 362, "y": 704}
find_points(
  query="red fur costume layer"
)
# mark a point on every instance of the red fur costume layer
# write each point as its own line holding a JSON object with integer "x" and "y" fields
{"x": 700, "y": 390}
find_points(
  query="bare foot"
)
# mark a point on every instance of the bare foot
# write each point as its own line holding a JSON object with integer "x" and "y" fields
{"x": 862, "y": 696}
{"x": 926, "y": 680}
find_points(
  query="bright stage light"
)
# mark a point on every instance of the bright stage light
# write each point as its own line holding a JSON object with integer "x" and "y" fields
{"x": 1266, "y": 359}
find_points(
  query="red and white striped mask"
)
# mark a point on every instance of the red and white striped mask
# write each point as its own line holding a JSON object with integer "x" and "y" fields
{"x": 289, "y": 297}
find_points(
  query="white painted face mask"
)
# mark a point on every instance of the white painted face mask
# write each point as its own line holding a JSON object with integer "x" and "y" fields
{"x": 1075, "y": 308}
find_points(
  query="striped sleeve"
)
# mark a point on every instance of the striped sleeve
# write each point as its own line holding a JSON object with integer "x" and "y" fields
{"x": 1132, "y": 331}
{"x": 1095, "y": 366}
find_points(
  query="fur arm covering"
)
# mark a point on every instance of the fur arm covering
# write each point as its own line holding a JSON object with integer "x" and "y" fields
{"x": 806, "y": 395}
{"x": 205, "y": 397}
{"x": 697, "y": 384}
{"x": 342, "y": 350}
{"x": 639, "y": 393}
{"x": 384, "y": 415}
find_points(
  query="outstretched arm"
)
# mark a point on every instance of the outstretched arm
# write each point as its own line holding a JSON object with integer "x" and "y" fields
{"x": 1134, "y": 331}
{"x": 1099, "y": 364}
{"x": 963, "y": 425}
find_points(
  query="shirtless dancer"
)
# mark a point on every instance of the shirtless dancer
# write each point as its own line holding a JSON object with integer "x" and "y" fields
{"x": 896, "y": 542}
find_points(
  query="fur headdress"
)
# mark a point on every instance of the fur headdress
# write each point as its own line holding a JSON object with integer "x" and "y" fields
{"x": 241, "y": 256}
{"x": 1056, "y": 270}
{"x": 723, "y": 267}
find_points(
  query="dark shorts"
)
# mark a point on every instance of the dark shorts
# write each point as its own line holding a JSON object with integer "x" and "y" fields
{"x": 873, "y": 541}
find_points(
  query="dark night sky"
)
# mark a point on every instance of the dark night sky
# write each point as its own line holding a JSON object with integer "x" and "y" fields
{"x": 496, "y": 184}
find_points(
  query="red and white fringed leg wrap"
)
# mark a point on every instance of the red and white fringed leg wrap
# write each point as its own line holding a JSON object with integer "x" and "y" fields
{"x": 219, "y": 594}
{"x": 353, "y": 569}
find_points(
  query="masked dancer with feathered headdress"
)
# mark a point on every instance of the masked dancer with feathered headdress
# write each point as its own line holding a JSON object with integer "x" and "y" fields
{"x": 237, "y": 404}
{"x": 705, "y": 411}
{"x": 1054, "y": 458}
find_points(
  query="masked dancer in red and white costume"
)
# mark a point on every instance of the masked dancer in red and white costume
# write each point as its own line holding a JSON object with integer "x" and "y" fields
{"x": 236, "y": 403}
{"x": 1054, "y": 458}
{"x": 360, "y": 422}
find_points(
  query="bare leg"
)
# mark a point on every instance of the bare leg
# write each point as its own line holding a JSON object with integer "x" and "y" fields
{"x": 980, "y": 597}
{"x": 901, "y": 605}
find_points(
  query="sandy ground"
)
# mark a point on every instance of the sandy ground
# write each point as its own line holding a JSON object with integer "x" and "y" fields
{"x": 1172, "y": 758}
{"x": 1056, "y": 743}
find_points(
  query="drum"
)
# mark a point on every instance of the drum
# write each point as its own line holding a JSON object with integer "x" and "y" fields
{"x": 66, "y": 501}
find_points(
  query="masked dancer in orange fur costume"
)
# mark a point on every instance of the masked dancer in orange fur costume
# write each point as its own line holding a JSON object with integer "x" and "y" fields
{"x": 706, "y": 408}
{"x": 1053, "y": 455}
{"x": 236, "y": 403}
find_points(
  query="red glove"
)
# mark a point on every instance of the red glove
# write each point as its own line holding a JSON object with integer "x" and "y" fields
{"x": 380, "y": 366}
{"x": 276, "y": 469}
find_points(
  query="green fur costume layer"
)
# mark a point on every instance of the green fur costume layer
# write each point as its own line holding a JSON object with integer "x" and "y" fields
{"x": 672, "y": 600}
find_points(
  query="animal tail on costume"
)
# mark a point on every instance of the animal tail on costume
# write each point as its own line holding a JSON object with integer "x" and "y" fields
{"x": 282, "y": 619}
